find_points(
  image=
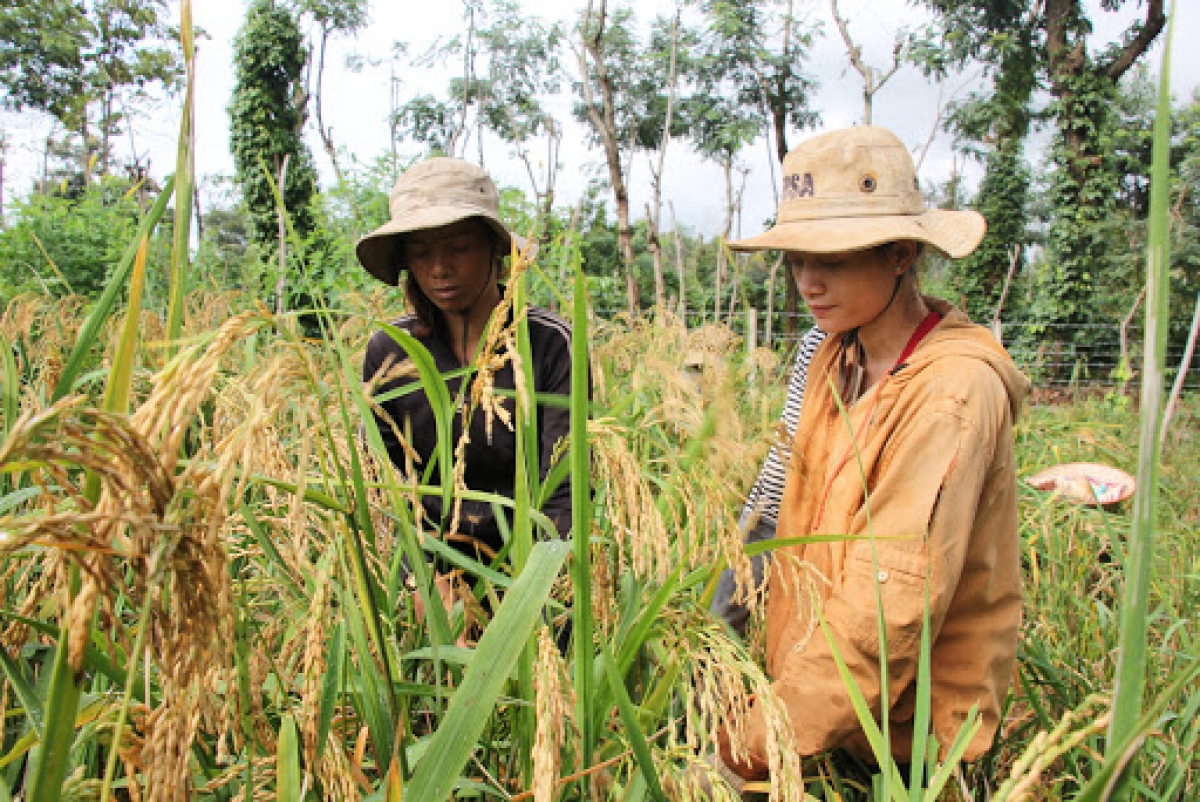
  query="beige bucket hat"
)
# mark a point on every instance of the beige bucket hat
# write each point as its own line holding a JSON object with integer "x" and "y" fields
{"x": 857, "y": 188}
{"x": 431, "y": 194}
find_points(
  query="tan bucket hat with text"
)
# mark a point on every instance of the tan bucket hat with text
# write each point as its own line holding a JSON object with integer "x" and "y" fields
{"x": 431, "y": 194}
{"x": 857, "y": 188}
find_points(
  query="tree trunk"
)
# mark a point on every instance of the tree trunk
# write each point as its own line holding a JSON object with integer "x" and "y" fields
{"x": 326, "y": 133}
{"x": 1180, "y": 377}
{"x": 654, "y": 212}
{"x": 774, "y": 275}
{"x": 873, "y": 80}
{"x": 654, "y": 245}
{"x": 625, "y": 238}
{"x": 603, "y": 118}
{"x": 281, "y": 284}
{"x": 679, "y": 265}
{"x": 3, "y": 153}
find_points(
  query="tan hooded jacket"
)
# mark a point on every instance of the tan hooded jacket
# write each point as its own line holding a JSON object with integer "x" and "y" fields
{"x": 934, "y": 440}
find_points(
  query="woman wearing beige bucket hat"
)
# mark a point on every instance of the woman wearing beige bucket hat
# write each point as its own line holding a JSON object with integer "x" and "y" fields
{"x": 446, "y": 234}
{"x": 908, "y": 393}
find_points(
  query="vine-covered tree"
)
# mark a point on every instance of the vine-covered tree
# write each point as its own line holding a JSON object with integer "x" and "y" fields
{"x": 1083, "y": 83}
{"x": 267, "y": 115}
{"x": 1053, "y": 43}
{"x": 993, "y": 125}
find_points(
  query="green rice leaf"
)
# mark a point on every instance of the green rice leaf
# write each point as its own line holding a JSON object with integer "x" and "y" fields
{"x": 635, "y": 736}
{"x": 18, "y": 497}
{"x": 1129, "y": 689}
{"x": 635, "y": 638}
{"x": 24, "y": 691}
{"x": 267, "y": 544}
{"x": 499, "y": 648}
{"x": 10, "y": 392}
{"x": 180, "y": 271}
{"x": 439, "y": 400}
{"x": 58, "y": 729}
{"x": 922, "y": 715}
{"x": 373, "y": 689}
{"x": 970, "y": 726}
{"x": 332, "y": 687}
{"x": 288, "y": 780}
{"x": 581, "y": 514}
{"x": 879, "y": 746}
{"x": 120, "y": 378}
{"x": 94, "y": 660}
{"x": 1104, "y": 783}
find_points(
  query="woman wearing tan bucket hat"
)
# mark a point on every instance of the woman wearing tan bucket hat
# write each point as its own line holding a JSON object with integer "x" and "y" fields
{"x": 446, "y": 233}
{"x": 908, "y": 393}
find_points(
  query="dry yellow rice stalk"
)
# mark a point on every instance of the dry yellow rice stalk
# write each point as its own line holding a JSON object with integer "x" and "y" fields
{"x": 1047, "y": 747}
{"x": 497, "y": 348}
{"x": 641, "y": 534}
{"x": 723, "y": 684}
{"x": 605, "y": 608}
{"x": 314, "y": 664}
{"x": 193, "y": 615}
{"x": 698, "y": 779}
{"x": 555, "y": 704}
{"x": 335, "y": 773}
{"x": 172, "y": 536}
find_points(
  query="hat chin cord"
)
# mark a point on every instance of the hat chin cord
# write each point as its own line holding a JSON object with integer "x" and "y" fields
{"x": 466, "y": 313}
{"x": 851, "y": 337}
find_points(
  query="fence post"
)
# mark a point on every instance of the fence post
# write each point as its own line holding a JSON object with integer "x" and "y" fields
{"x": 751, "y": 329}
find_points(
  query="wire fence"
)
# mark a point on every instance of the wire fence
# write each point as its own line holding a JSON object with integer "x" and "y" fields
{"x": 1062, "y": 356}
{"x": 1088, "y": 356}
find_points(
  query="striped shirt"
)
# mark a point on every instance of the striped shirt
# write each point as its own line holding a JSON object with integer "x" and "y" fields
{"x": 763, "y": 502}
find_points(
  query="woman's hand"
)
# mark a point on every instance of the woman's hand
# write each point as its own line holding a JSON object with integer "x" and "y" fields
{"x": 444, "y": 585}
{"x": 754, "y": 767}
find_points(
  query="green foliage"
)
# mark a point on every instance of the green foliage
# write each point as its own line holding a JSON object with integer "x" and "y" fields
{"x": 86, "y": 64}
{"x": 621, "y": 49}
{"x": 522, "y": 67}
{"x": 345, "y": 16}
{"x": 1082, "y": 184}
{"x": 60, "y": 245}
{"x": 41, "y": 54}
{"x": 430, "y": 121}
{"x": 752, "y": 70}
{"x": 1081, "y": 194}
{"x": 267, "y": 121}
{"x": 992, "y": 126}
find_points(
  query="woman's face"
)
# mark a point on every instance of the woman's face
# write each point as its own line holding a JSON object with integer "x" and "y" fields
{"x": 452, "y": 264}
{"x": 850, "y": 289}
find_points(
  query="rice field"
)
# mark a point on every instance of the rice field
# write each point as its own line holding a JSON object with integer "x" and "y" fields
{"x": 215, "y": 569}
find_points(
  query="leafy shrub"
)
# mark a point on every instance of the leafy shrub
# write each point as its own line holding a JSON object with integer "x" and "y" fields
{"x": 64, "y": 243}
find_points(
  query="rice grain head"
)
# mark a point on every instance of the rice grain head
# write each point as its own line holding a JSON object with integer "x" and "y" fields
{"x": 724, "y": 681}
{"x": 554, "y": 706}
{"x": 314, "y": 663}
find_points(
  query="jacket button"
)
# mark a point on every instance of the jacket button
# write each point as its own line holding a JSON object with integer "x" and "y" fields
{"x": 883, "y": 576}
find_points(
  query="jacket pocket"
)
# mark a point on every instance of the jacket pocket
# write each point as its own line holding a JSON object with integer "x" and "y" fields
{"x": 899, "y": 572}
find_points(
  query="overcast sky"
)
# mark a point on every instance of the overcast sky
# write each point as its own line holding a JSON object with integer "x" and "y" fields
{"x": 356, "y": 104}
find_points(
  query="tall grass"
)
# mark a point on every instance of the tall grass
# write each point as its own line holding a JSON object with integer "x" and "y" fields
{"x": 1129, "y": 688}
